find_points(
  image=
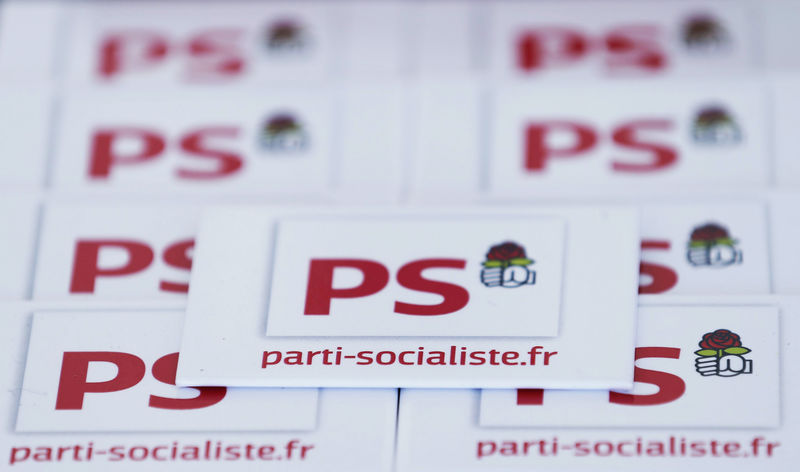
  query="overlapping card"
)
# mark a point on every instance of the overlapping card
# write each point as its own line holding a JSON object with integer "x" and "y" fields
{"x": 446, "y": 297}
{"x": 713, "y": 386}
{"x": 93, "y": 388}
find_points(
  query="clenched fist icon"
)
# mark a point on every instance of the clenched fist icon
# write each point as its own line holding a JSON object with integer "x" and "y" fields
{"x": 712, "y": 245}
{"x": 725, "y": 366}
{"x": 511, "y": 276}
{"x": 507, "y": 265}
{"x": 714, "y": 255}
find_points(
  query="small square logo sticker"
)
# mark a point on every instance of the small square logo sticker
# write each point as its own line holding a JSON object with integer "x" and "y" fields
{"x": 417, "y": 277}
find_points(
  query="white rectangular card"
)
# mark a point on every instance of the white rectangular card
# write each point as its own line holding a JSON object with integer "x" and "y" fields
{"x": 238, "y": 264}
{"x": 611, "y": 139}
{"x": 82, "y": 366}
{"x": 621, "y": 38}
{"x": 190, "y": 141}
{"x": 120, "y": 252}
{"x": 682, "y": 361}
{"x": 127, "y": 43}
{"x": 122, "y": 430}
{"x": 233, "y": 43}
{"x": 620, "y": 138}
{"x": 290, "y": 142}
{"x": 723, "y": 422}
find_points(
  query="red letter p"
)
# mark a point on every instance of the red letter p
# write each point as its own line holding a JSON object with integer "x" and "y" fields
{"x": 85, "y": 270}
{"x": 74, "y": 369}
{"x": 103, "y": 156}
{"x": 320, "y": 282}
{"x": 538, "y": 150}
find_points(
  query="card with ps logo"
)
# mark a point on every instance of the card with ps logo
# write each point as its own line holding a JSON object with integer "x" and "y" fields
{"x": 713, "y": 385}
{"x": 435, "y": 297}
{"x": 92, "y": 387}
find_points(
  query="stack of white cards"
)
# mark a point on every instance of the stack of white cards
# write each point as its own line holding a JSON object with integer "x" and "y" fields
{"x": 399, "y": 236}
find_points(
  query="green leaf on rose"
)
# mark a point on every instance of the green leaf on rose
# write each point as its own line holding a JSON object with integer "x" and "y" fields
{"x": 699, "y": 243}
{"x": 493, "y": 263}
{"x": 706, "y": 352}
{"x": 520, "y": 261}
{"x": 737, "y": 350}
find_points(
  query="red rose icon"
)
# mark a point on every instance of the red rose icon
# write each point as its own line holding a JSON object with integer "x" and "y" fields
{"x": 506, "y": 265}
{"x": 720, "y": 339}
{"x": 722, "y": 355}
{"x": 279, "y": 123}
{"x": 284, "y": 29}
{"x": 709, "y": 232}
{"x": 505, "y": 251}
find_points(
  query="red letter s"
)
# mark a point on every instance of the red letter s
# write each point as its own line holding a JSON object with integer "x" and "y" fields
{"x": 164, "y": 370}
{"x": 227, "y": 162}
{"x": 670, "y": 387}
{"x": 663, "y": 277}
{"x": 177, "y": 255}
{"x": 409, "y": 276}
{"x": 662, "y": 155}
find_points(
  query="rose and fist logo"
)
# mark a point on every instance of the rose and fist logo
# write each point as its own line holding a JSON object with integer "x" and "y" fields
{"x": 703, "y": 33}
{"x": 285, "y": 36}
{"x": 282, "y": 132}
{"x": 506, "y": 265}
{"x": 712, "y": 245}
{"x": 722, "y": 354}
{"x": 714, "y": 125}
